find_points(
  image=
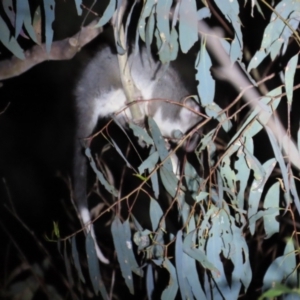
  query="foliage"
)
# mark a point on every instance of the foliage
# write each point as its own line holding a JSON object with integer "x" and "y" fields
{"x": 222, "y": 197}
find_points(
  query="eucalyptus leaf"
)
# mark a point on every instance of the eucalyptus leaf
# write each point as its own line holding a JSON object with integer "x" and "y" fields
{"x": 196, "y": 253}
{"x": 242, "y": 172}
{"x": 271, "y": 225}
{"x": 93, "y": 266}
{"x": 163, "y": 32}
{"x": 213, "y": 249}
{"x": 170, "y": 291}
{"x": 150, "y": 31}
{"x": 111, "y": 189}
{"x": 255, "y": 193}
{"x": 148, "y": 7}
{"x": 156, "y": 214}
{"x": 49, "y": 10}
{"x": 9, "y": 41}
{"x": 141, "y": 133}
{"x": 206, "y": 86}
{"x": 7, "y": 6}
{"x": 263, "y": 113}
{"x": 149, "y": 163}
{"x": 78, "y": 7}
{"x": 282, "y": 269}
{"x": 214, "y": 110}
{"x": 188, "y": 25}
{"x": 169, "y": 180}
{"x": 231, "y": 12}
{"x": 150, "y": 281}
{"x": 289, "y": 77}
{"x": 121, "y": 246}
{"x": 281, "y": 162}
{"x": 76, "y": 259}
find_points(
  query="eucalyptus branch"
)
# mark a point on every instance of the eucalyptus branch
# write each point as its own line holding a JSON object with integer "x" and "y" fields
{"x": 131, "y": 91}
{"x": 60, "y": 50}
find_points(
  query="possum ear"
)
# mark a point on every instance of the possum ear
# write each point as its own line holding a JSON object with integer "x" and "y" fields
{"x": 192, "y": 108}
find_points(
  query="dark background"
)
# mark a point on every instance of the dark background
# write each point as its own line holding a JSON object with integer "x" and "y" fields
{"x": 36, "y": 148}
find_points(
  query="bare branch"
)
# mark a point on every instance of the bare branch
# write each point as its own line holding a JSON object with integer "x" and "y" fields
{"x": 60, "y": 50}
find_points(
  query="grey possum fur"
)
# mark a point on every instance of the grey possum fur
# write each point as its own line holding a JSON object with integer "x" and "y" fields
{"x": 100, "y": 94}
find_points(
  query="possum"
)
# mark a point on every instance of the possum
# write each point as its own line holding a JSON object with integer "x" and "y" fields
{"x": 100, "y": 94}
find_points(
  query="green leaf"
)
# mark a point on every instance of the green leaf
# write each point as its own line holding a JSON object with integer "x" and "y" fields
{"x": 289, "y": 77}
{"x": 120, "y": 152}
{"x": 186, "y": 266}
{"x": 163, "y": 33}
{"x": 49, "y": 10}
{"x": 170, "y": 291}
{"x": 121, "y": 245}
{"x": 203, "y": 13}
{"x": 78, "y": 7}
{"x": 282, "y": 269}
{"x": 159, "y": 143}
{"x": 229, "y": 177}
{"x": 56, "y": 230}
{"x": 214, "y": 247}
{"x": 242, "y": 171}
{"x": 110, "y": 188}
{"x": 206, "y": 86}
{"x": 214, "y": 110}
{"x": 148, "y": 7}
{"x": 76, "y": 259}
{"x": 150, "y": 281}
{"x": 23, "y": 15}
{"x": 277, "y": 34}
{"x": 169, "y": 180}
{"x": 188, "y": 25}
{"x": 141, "y": 133}
{"x": 231, "y": 12}
{"x": 9, "y": 41}
{"x": 239, "y": 255}
{"x": 93, "y": 266}
{"x": 255, "y": 194}
{"x": 9, "y": 11}
{"x": 154, "y": 177}
{"x": 196, "y": 253}
{"x": 281, "y": 162}
{"x": 108, "y": 13}
{"x": 128, "y": 247}
{"x": 22, "y": 8}
{"x": 192, "y": 179}
{"x": 271, "y": 225}
{"x": 206, "y": 140}
{"x": 254, "y": 164}
{"x": 149, "y": 163}
{"x": 263, "y": 112}
{"x": 150, "y": 29}
{"x": 201, "y": 196}
{"x": 179, "y": 264}
{"x": 279, "y": 290}
{"x": 156, "y": 214}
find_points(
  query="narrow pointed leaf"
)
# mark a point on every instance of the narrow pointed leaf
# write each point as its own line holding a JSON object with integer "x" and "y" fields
{"x": 120, "y": 243}
{"x": 93, "y": 266}
{"x": 76, "y": 259}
